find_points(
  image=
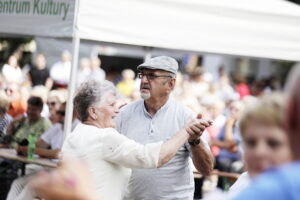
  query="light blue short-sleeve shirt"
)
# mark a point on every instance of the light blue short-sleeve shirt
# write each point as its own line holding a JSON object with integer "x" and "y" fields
{"x": 175, "y": 179}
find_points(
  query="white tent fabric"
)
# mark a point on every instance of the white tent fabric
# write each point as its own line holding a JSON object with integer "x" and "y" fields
{"x": 257, "y": 28}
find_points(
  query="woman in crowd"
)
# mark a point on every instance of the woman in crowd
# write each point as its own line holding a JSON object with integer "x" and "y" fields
{"x": 108, "y": 154}
{"x": 265, "y": 141}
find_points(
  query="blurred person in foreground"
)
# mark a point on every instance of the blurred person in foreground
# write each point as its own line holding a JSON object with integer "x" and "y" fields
{"x": 266, "y": 143}
{"x": 108, "y": 154}
{"x": 158, "y": 117}
{"x": 65, "y": 182}
{"x": 283, "y": 182}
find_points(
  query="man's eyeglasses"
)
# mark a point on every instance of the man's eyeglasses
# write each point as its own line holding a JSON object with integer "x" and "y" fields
{"x": 61, "y": 112}
{"x": 152, "y": 76}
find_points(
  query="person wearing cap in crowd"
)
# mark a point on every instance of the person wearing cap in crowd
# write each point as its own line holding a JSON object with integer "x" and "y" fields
{"x": 157, "y": 117}
{"x": 284, "y": 182}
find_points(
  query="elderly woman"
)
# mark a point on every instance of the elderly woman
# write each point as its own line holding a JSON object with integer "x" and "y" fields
{"x": 108, "y": 154}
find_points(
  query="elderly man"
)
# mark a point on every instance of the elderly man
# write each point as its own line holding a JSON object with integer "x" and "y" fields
{"x": 157, "y": 117}
{"x": 283, "y": 183}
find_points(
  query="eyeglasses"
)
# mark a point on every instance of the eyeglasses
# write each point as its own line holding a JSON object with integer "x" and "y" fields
{"x": 152, "y": 76}
{"x": 61, "y": 112}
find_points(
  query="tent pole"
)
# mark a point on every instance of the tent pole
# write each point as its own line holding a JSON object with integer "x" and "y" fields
{"x": 71, "y": 85}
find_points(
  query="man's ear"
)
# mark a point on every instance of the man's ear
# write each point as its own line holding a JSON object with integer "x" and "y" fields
{"x": 172, "y": 83}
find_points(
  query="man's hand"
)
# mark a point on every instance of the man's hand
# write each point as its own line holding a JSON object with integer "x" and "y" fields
{"x": 196, "y": 127}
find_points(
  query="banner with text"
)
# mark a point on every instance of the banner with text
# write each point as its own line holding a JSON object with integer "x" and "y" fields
{"x": 37, "y": 17}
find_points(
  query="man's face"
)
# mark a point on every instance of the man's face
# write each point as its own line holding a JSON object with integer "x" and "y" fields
{"x": 33, "y": 112}
{"x": 154, "y": 83}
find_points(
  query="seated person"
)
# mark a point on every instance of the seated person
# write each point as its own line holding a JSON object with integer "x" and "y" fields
{"x": 5, "y": 118}
{"x": 229, "y": 141}
{"x": 48, "y": 146}
{"x": 21, "y": 127}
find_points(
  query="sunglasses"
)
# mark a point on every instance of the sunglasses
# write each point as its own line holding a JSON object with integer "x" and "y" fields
{"x": 61, "y": 112}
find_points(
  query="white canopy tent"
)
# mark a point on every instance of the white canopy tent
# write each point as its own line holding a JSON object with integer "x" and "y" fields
{"x": 257, "y": 28}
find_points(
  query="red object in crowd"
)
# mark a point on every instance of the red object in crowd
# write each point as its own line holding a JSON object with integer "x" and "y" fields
{"x": 243, "y": 90}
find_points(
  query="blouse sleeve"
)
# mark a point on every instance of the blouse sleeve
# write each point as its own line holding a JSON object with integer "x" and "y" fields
{"x": 123, "y": 151}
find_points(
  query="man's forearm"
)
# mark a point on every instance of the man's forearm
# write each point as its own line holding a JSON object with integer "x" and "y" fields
{"x": 202, "y": 159}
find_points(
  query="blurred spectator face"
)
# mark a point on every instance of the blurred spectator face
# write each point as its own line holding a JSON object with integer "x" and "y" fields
{"x": 33, "y": 113}
{"x": 235, "y": 109}
{"x": 53, "y": 104}
{"x": 61, "y": 113}
{"x": 12, "y": 61}
{"x": 66, "y": 56}
{"x": 12, "y": 90}
{"x": 95, "y": 63}
{"x": 84, "y": 64}
{"x": 128, "y": 74}
{"x": 265, "y": 146}
{"x": 40, "y": 61}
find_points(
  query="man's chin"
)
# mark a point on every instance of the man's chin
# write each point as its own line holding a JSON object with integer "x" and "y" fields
{"x": 145, "y": 96}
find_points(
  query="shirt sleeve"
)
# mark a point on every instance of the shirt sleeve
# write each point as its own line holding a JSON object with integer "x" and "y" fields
{"x": 124, "y": 151}
{"x": 265, "y": 187}
{"x": 47, "y": 136}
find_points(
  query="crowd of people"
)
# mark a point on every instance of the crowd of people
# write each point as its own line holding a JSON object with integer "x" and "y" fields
{"x": 170, "y": 122}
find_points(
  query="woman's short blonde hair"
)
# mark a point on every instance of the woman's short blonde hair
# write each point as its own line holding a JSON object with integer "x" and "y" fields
{"x": 268, "y": 110}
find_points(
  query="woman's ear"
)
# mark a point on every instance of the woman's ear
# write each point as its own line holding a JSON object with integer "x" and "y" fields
{"x": 92, "y": 113}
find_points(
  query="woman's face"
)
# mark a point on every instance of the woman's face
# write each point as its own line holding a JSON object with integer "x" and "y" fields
{"x": 107, "y": 110}
{"x": 265, "y": 146}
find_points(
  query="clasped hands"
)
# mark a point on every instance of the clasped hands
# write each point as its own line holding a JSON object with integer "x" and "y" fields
{"x": 196, "y": 127}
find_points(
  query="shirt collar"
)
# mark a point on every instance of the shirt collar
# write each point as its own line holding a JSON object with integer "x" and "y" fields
{"x": 162, "y": 109}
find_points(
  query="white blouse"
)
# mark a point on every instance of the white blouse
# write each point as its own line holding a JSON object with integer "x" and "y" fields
{"x": 108, "y": 156}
